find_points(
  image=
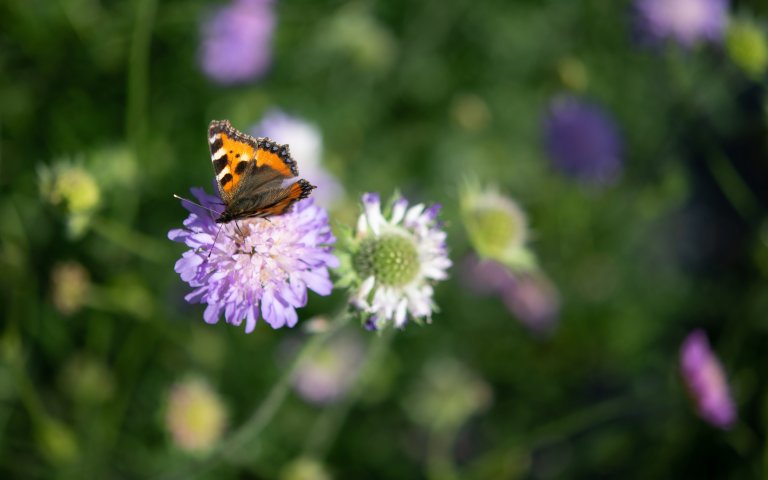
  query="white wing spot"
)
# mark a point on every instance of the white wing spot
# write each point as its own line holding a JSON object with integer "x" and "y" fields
{"x": 222, "y": 173}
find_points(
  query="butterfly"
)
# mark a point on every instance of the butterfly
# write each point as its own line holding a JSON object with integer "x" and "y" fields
{"x": 250, "y": 173}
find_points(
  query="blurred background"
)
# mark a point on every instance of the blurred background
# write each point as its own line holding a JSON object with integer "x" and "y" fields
{"x": 631, "y": 134}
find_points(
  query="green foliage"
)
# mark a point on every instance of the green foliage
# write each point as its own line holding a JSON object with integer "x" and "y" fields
{"x": 409, "y": 95}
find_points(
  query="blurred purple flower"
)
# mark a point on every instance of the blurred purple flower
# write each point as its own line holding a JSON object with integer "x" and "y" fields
{"x": 255, "y": 263}
{"x": 237, "y": 41}
{"x": 583, "y": 140}
{"x": 529, "y": 296}
{"x": 703, "y": 375}
{"x": 330, "y": 371}
{"x": 306, "y": 144}
{"x": 685, "y": 22}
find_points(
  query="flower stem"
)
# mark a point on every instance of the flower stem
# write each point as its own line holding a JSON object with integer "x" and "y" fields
{"x": 138, "y": 74}
{"x": 440, "y": 464}
{"x": 327, "y": 426}
{"x": 230, "y": 447}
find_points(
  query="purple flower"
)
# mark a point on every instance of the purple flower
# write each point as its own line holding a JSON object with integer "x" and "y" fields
{"x": 306, "y": 148}
{"x": 529, "y": 296}
{"x": 237, "y": 41}
{"x": 685, "y": 22}
{"x": 703, "y": 375}
{"x": 255, "y": 264}
{"x": 582, "y": 140}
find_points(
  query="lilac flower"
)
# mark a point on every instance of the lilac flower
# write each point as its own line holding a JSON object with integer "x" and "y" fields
{"x": 528, "y": 295}
{"x": 306, "y": 148}
{"x": 391, "y": 263}
{"x": 236, "y": 41}
{"x": 582, "y": 140}
{"x": 703, "y": 375}
{"x": 255, "y": 264}
{"x": 686, "y": 22}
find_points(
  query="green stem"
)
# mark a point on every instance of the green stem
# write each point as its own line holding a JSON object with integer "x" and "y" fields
{"x": 138, "y": 74}
{"x": 440, "y": 459}
{"x": 327, "y": 426}
{"x": 733, "y": 187}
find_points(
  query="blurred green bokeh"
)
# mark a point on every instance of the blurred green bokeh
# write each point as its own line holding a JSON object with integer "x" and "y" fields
{"x": 415, "y": 96}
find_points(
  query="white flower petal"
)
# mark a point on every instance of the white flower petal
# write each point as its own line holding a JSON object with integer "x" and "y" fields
{"x": 398, "y": 211}
{"x": 401, "y": 313}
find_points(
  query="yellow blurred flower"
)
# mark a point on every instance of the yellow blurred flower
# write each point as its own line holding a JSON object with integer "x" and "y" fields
{"x": 195, "y": 416}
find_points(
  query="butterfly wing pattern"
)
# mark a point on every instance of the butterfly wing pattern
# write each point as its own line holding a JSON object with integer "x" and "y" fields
{"x": 250, "y": 173}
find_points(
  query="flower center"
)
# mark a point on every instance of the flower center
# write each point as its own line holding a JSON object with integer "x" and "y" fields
{"x": 391, "y": 258}
{"x": 495, "y": 228}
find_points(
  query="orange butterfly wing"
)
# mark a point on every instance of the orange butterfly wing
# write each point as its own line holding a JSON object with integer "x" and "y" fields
{"x": 263, "y": 163}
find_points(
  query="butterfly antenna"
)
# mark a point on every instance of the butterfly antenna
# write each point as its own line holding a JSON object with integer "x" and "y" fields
{"x": 214, "y": 240}
{"x": 238, "y": 228}
{"x": 197, "y": 204}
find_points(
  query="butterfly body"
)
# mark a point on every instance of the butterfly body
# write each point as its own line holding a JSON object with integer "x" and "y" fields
{"x": 250, "y": 174}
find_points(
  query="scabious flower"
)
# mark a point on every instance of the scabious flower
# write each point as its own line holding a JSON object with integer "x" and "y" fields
{"x": 529, "y": 296}
{"x": 685, "y": 22}
{"x": 255, "y": 264}
{"x": 703, "y": 375}
{"x": 195, "y": 416}
{"x": 306, "y": 147}
{"x": 496, "y": 225}
{"x": 391, "y": 263}
{"x": 582, "y": 140}
{"x": 327, "y": 374}
{"x": 237, "y": 41}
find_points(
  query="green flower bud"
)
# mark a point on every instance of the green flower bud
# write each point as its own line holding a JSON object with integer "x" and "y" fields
{"x": 305, "y": 468}
{"x": 497, "y": 227}
{"x": 746, "y": 45}
{"x": 74, "y": 190}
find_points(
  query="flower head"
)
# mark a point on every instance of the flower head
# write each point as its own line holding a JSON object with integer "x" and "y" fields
{"x": 686, "y": 22}
{"x": 582, "y": 140}
{"x": 195, "y": 416}
{"x": 237, "y": 41}
{"x": 392, "y": 262}
{"x": 497, "y": 226}
{"x": 703, "y": 375}
{"x": 306, "y": 148}
{"x": 255, "y": 264}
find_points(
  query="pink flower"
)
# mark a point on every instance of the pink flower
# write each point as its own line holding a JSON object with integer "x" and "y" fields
{"x": 703, "y": 375}
{"x": 529, "y": 296}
